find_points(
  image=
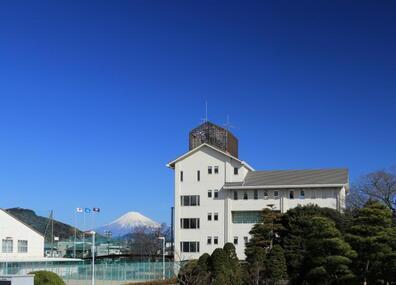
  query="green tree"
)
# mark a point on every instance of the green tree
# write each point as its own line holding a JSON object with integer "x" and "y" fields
{"x": 204, "y": 270}
{"x": 47, "y": 278}
{"x": 276, "y": 264}
{"x": 256, "y": 265}
{"x": 372, "y": 237}
{"x": 328, "y": 256}
{"x": 235, "y": 269}
{"x": 220, "y": 270}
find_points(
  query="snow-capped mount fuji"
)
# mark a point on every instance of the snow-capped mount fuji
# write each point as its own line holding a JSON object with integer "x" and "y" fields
{"x": 127, "y": 224}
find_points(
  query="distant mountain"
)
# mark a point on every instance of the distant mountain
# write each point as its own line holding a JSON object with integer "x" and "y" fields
{"x": 29, "y": 217}
{"x": 127, "y": 224}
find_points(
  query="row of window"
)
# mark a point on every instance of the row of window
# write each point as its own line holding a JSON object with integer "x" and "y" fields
{"x": 193, "y": 223}
{"x": 245, "y": 240}
{"x": 8, "y": 246}
{"x": 215, "y": 240}
{"x": 211, "y": 170}
{"x": 292, "y": 194}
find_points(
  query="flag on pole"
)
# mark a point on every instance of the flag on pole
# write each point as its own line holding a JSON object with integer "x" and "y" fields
{"x": 87, "y": 210}
{"x": 79, "y": 210}
{"x": 96, "y": 210}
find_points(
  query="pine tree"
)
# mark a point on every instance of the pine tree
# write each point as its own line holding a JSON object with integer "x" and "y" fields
{"x": 235, "y": 270}
{"x": 276, "y": 264}
{"x": 328, "y": 256}
{"x": 371, "y": 237}
{"x": 220, "y": 270}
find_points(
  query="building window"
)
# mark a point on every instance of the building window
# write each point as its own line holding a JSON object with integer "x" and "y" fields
{"x": 198, "y": 175}
{"x": 255, "y": 195}
{"x": 209, "y": 169}
{"x": 209, "y": 193}
{"x": 216, "y": 240}
{"x": 181, "y": 176}
{"x": 189, "y": 246}
{"x": 209, "y": 240}
{"x": 302, "y": 194}
{"x": 246, "y": 217}
{"x": 216, "y": 216}
{"x": 246, "y": 240}
{"x": 22, "y": 246}
{"x": 216, "y": 170}
{"x": 235, "y": 240}
{"x": 187, "y": 200}
{"x": 235, "y": 195}
{"x": 209, "y": 216}
{"x": 291, "y": 194}
{"x": 7, "y": 245}
{"x": 276, "y": 194}
{"x": 189, "y": 223}
{"x": 216, "y": 194}
{"x": 324, "y": 194}
{"x": 313, "y": 194}
{"x": 245, "y": 196}
{"x": 335, "y": 194}
{"x": 236, "y": 169}
{"x": 265, "y": 195}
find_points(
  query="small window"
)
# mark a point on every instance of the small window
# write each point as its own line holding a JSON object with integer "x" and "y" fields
{"x": 265, "y": 195}
{"x": 236, "y": 169}
{"x": 198, "y": 175}
{"x": 235, "y": 195}
{"x": 209, "y": 216}
{"x": 216, "y": 194}
{"x": 209, "y": 193}
{"x": 276, "y": 194}
{"x": 216, "y": 216}
{"x": 245, "y": 196}
{"x": 235, "y": 240}
{"x": 216, "y": 240}
{"x": 313, "y": 194}
{"x": 7, "y": 245}
{"x": 291, "y": 194}
{"x": 246, "y": 240}
{"x": 255, "y": 196}
{"x": 216, "y": 170}
{"x": 209, "y": 169}
{"x": 209, "y": 241}
{"x": 189, "y": 246}
{"x": 181, "y": 176}
{"x": 302, "y": 194}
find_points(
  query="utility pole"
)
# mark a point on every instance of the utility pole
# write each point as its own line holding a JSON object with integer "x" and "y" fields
{"x": 163, "y": 256}
{"x": 93, "y": 257}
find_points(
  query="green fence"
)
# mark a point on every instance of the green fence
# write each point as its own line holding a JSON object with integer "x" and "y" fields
{"x": 109, "y": 273}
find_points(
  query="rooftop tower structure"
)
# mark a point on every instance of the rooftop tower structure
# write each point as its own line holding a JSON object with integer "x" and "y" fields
{"x": 215, "y": 136}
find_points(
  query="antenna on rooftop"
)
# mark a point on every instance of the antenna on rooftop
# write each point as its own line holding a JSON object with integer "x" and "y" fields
{"x": 227, "y": 124}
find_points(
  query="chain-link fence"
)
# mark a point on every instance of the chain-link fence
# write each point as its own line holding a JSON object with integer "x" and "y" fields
{"x": 109, "y": 273}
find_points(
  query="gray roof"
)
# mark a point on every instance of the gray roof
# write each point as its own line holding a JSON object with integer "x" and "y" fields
{"x": 294, "y": 177}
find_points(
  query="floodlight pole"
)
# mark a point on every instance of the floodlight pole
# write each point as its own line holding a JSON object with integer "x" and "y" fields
{"x": 93, "y": 257}
{"x": 163, "y": 257}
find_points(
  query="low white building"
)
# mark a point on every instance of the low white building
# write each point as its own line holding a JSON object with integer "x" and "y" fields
{"x": 218, "y": 197}
{"x": 18, "y": 240}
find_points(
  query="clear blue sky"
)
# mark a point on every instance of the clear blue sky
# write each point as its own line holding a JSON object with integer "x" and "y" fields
{"x": 97, "y": 96}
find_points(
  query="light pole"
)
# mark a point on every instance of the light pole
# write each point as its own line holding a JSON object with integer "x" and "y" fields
{"x": 163, "y": 257}
{"x": 93, "y": 257}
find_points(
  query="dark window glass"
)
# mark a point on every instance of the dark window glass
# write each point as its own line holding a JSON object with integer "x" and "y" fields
{"x": 245, "y": 196}
{"x": 235, "y": 195}
{"x": 276, "y": 194}
{"x": 209, "y": 217}
{"x": 216, "y": 169}
{"x": 209, "y": 240}
{"x": 216, "y": 216}
{"x": 255, "y": 194}
{"x": 189, "y": 223}
{"x": 209, "y": 169}
{"x": 192, "y": 200}
{"x": 181, "y": 176}
{"x": 235, "y": 240}
{"x": 198, "y": 175}
{"x": 209, "y": 193}
{"x": 215, "y": 240}
{"x": 236, "y": 170}
{"x": 291, "y": 194}
{"x": 216, "y": 193}
{"x": 302, "y": 194}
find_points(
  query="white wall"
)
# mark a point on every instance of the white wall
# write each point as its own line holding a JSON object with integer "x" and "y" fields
{"x": 200, "y": 160}
{"x": 12, "y": 228}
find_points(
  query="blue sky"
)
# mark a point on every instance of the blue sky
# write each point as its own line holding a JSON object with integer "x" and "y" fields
{"x": 97, "y": 96}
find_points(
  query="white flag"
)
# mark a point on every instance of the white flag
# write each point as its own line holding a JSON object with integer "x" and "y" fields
{"x": 79, "y": 210}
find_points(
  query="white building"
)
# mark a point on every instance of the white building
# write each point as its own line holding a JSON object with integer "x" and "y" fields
{"x": 218, "y": 197}
{"x": 18, "y": 241}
